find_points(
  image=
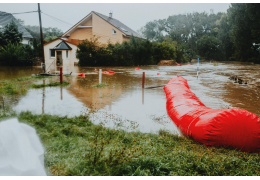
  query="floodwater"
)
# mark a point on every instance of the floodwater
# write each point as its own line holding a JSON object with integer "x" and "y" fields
{"x": 123, "y": 104}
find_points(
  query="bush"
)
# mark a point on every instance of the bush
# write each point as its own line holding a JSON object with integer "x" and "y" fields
{"x": 15, "y": 54}
{"x": 133, "y": 53}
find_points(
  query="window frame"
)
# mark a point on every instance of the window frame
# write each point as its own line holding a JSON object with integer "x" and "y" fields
{"x": 67, "y": 54}
{"x": 54, "y": 53}
{"x": 113, "y": 31}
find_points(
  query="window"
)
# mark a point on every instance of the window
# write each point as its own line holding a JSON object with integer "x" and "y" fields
{"x": 67, "y": 54}
{"x": 113, "y": 31}
{"x": 52, "y": 53}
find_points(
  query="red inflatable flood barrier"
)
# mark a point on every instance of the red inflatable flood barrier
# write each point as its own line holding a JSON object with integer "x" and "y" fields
{"x": 235, "y": 128}
{"x": 108, "y": 72}
{"x": 81, "y": 75}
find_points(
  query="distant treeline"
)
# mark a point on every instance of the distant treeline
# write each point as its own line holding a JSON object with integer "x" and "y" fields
{"x": 234, "y": 35}
{"x": 135, "y": 52}
{"x": 48, "y": 33}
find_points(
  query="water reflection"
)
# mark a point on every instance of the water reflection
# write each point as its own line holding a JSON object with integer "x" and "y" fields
{"x": 43, "y": 97}
{"x": 142, "y": 95}
{"x": 60, "y": 93}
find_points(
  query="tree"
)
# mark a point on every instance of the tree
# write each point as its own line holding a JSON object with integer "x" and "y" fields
{"x": 223, "y": 29}
{"x": 11, "y": 34}
{"x": 245, "y": 31}
{"x": 47, "y": 32}
{"x": 209, "y": 47}
{"x": 20, "y": 21}
{"x": 2, "y": 41}
{"x": 184, "y": 29}
{"x": 12, "y": 54}
{"x": 50, "y": 38}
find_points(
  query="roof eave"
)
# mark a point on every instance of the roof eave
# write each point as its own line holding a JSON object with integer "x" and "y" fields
{"x": 76, "y": 24}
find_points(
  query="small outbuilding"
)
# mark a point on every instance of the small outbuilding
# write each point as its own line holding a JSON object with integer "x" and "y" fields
{"x": 61, "y": 52}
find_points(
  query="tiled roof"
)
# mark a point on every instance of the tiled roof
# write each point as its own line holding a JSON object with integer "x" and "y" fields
{"x": 71, "y": 41}
{"x": 62, "y": 46}
{"x": 128, "y": 31}
{"x": 6, "y": 18}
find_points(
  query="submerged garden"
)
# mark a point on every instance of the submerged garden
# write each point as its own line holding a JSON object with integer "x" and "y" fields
{"x": 77, "y": 146}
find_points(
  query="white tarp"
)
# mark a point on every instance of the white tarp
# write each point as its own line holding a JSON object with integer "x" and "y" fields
{"x": 21, "y": 152}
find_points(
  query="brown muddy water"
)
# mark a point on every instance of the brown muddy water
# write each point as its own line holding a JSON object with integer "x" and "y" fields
{"x": 123, "y": 104}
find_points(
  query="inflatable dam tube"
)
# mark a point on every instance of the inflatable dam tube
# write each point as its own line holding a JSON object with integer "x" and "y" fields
{"x": 81, "y": 75}
{"x": 236, "y": 128}
{"x": 108, "y": 72}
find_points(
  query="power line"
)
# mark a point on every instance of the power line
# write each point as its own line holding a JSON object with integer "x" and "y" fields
{"x": 8, "y": 14}
{"x": 25, "y": 12}
{"x": 57, "y": 19}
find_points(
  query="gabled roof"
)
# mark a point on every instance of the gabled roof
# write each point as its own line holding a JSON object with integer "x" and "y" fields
{"x": 114, "y": 22}
{"x": 123, "y": 28}
{"x": 62, "y": 46}
{"x": 71, "y": 41}
{"x": 6, "y": 18}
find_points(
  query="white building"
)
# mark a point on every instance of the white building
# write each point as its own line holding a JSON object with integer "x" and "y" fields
{"x": 6, "y": 18}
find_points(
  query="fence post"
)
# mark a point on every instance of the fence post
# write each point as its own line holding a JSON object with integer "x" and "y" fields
{"x": 100, "y": 76}
{"x": 61, "y": 75}
{"x": 143, "y": 79}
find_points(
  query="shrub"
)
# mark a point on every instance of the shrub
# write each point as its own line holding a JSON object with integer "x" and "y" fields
{"x": 133, "y": 53}
{"x": 15, "y": 54}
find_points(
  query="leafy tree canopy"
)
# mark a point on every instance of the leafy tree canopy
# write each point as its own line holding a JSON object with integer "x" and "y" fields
{"x": 209, "y": 47}
{"x": 10, "y": 34}
{"x": 47, "y": 32}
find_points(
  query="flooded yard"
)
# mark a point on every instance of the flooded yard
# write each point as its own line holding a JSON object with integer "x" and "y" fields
{"x": 121, "y": 102}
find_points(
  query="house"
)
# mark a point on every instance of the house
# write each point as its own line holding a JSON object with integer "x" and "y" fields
{"x": 6, "y": 18}
{"x": 62, "y": 50}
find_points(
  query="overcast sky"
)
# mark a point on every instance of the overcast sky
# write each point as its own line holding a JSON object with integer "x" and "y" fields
{"x": 133, "y": 15}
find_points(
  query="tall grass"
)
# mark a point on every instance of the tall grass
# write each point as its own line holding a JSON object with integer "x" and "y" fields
{"x": 51, "y": 84}
{"x": 20, "y": 86}
{"x": 76, "y": 146}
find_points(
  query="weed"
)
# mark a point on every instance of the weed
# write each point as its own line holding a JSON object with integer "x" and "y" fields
{"x": 102, "y": 85}
{"x": 51, "y": 84}
{"x": 215, "y": 63}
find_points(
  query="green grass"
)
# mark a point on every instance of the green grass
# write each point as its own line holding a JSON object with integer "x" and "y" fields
{"x": 102, "y": 85}
{"x": 51, "y": 84}
{"x": 75, "y": 146}
{"x": 18, "y": 86}
{"x": 12, "y": 88}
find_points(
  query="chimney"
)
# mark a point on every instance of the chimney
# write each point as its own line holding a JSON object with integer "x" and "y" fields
{"x": 110, "y": 14}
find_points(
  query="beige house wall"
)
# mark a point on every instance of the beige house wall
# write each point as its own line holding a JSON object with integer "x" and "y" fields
{"x": 66, "y": 61}
{"x": 81, "y": 34}
{"x": 126, "y": 39}
{"x": 103, "y": 29}
{"x": 88, "y": 23}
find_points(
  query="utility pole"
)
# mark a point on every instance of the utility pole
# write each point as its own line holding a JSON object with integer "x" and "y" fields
{"x": 43, "y": 61}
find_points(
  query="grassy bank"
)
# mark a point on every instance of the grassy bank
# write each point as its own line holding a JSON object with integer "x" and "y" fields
{"x": 75, "y": 146}
{"x": 20, "y": 86}
{"x": 51, "y": 84}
